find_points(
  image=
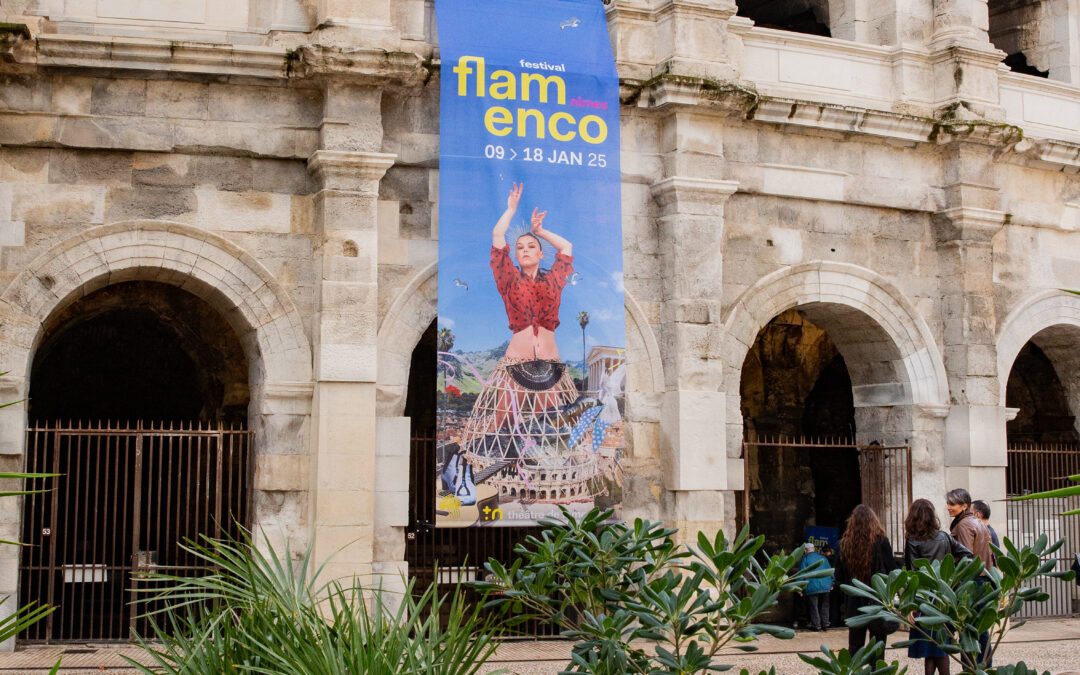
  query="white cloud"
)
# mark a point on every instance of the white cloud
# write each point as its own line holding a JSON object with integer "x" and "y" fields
{"x": 617, "y": 278}
{"x": 446, "y": 322}
{"x": 603, "y": 314}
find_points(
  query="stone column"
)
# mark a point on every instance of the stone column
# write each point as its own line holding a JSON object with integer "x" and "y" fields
{"x": 682, "y": 37}
{"x": 975, "y": 441}
{"x": 894, "y": 22}
{"x": 347, "y": 174}
{"x": 694, "y": 458}
{"x": 964, "y": 62}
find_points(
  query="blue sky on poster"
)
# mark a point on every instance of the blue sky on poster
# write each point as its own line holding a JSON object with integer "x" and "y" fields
{"x": 582, "y": 199}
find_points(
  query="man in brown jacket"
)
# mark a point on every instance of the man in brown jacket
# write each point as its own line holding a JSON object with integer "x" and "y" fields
{"x": 967, "y": 529}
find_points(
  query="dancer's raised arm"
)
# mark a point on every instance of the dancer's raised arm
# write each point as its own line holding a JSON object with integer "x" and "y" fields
{"x": 498, "y": 234}
{"x": 561, "y": 245}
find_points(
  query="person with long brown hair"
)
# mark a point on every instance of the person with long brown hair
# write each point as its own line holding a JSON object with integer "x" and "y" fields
{"x": 865, "y": 550}
{"x": 926, "y": 541}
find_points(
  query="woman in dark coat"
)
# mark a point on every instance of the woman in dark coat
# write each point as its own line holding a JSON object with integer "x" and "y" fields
{"x": 864, "y": 552}
{"x": 926, "y": 541}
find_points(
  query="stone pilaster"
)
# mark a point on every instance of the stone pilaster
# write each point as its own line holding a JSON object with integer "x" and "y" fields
{"x": 694, "y": 458}
{"x": 347, "y": 23}
{"x": 345, "y": 338}
{"x": 975, "y": 442}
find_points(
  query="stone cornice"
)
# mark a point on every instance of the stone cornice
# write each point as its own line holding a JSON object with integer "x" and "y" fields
{"x": 90, "y": 51}
{"x": 967, "y": 224}
{"x": 146, "y": 54}
{"x": 677, "y": 194}
{"x": 673, "y": 91}
{"x": 373, "y": 66}
{"x": 339, "y": 170}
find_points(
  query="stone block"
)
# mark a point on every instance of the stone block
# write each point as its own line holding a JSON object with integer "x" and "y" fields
{"x": 275, "y": 175}
{"x": 118, "y": 97}
{"x": 692, "y": 434}
{"x": 393, "y": 435}
{"x": 71, "y": 95}
{"x": 975, "y": 436}
{"x": 243, "y": 211}
{"x": 392, "y": 507}
{"x": 223, "y": 172}
{"x": 24, "y": 165}
{"x": 162, "y": 170}
{"x": 347, "y": 544}
{"x": 90, "y": 167}
{"x": 12, "y": 233}
{"x": 58, "y": 204}
{"x": 177, "y": 99}
{"x": 150, "y": 202}
{"x": 282, "y": 473}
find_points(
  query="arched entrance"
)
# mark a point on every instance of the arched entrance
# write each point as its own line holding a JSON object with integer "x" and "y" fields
{"x": 831, "y": 348}
{"x": 1043, "y": 390}
{"x": 138, "y": 401}
{"x": 277, "y": 383}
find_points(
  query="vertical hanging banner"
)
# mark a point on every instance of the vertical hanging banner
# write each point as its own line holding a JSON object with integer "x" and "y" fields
{"x": 531, "y": 333}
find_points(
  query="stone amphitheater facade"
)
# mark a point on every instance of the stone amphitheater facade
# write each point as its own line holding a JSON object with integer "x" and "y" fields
{"x": 894, "y": 182}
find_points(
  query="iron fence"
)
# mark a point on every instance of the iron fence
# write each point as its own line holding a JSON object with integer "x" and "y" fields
{"x": 123, "y": 502}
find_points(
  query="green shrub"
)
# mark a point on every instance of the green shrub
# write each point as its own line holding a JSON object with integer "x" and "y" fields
{"x": 609, "y": 586}
{"x": 263, "y": 613}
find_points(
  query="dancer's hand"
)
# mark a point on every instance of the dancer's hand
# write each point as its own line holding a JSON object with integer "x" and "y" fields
{"x": 514, "y": 197}
{"x": 538, "y": 222}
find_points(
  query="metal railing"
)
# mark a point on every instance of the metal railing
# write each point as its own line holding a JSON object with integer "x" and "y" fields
{"x": 124, "y": 501}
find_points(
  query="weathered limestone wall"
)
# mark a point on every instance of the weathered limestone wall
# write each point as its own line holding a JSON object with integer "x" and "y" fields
{"x": 279, "y": 158}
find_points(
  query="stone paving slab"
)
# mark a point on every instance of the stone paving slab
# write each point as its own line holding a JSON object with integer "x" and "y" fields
{"x": 1052, "y": 645}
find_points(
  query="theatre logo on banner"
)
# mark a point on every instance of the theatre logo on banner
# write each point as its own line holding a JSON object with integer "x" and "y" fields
{"x": 531, "y": 331}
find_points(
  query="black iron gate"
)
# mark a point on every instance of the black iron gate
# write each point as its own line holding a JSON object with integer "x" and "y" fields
{"x": 124, "y": 501}
{"x": 884, "y": 471}
{"x": 1035, "y": 468}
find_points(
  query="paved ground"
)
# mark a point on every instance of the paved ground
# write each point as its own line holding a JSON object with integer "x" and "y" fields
{"x": 1052, "y": 645}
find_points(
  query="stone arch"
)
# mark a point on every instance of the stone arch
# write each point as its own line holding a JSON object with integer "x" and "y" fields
{"x": 416, "y": 306}
{"x": 1051, "y": 320}
{"x": 881, "y": 329}
{"x": 1053, "y": 313}
{"x": 899, "y": 384}
{"x": 205, "y": 264}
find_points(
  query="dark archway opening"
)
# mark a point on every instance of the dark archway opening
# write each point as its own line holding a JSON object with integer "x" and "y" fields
{"x": 1035, "y": 390}
{"x": 138, "y": 402}
{"x": 139, "y": 351}
{"x": 795, "y": 385}
{"x": 1015, "y": 28}
{"x": 797, "y": 16}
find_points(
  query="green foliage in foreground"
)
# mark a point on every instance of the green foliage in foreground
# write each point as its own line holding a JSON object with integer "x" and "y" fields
{"x": 866, "y": 661}
{"x": 261, "y": 613}
{"x": 955, "y": 601}
{"x": 1067, "y": 491}
{"x": 609, "y": 586}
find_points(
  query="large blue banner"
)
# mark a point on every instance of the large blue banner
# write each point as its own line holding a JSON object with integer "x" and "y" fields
{"x": 531, "y": 334}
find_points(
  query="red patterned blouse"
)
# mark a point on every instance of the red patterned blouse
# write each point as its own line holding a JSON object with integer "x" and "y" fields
{"x": 530, "y": 302}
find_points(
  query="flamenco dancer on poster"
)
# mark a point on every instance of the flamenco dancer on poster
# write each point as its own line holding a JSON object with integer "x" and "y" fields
{"x": 522, "y": 431}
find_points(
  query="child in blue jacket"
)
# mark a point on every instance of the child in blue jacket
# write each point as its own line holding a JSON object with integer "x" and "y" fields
{"x": 817, "y": 590}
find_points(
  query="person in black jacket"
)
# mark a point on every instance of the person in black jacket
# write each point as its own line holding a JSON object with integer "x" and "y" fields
{"x": 864, "y": 552}
{"x": 926, "y": 541}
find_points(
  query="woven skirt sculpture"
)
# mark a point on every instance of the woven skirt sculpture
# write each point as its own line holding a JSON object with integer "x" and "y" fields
{"x": 527, "y": 421}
